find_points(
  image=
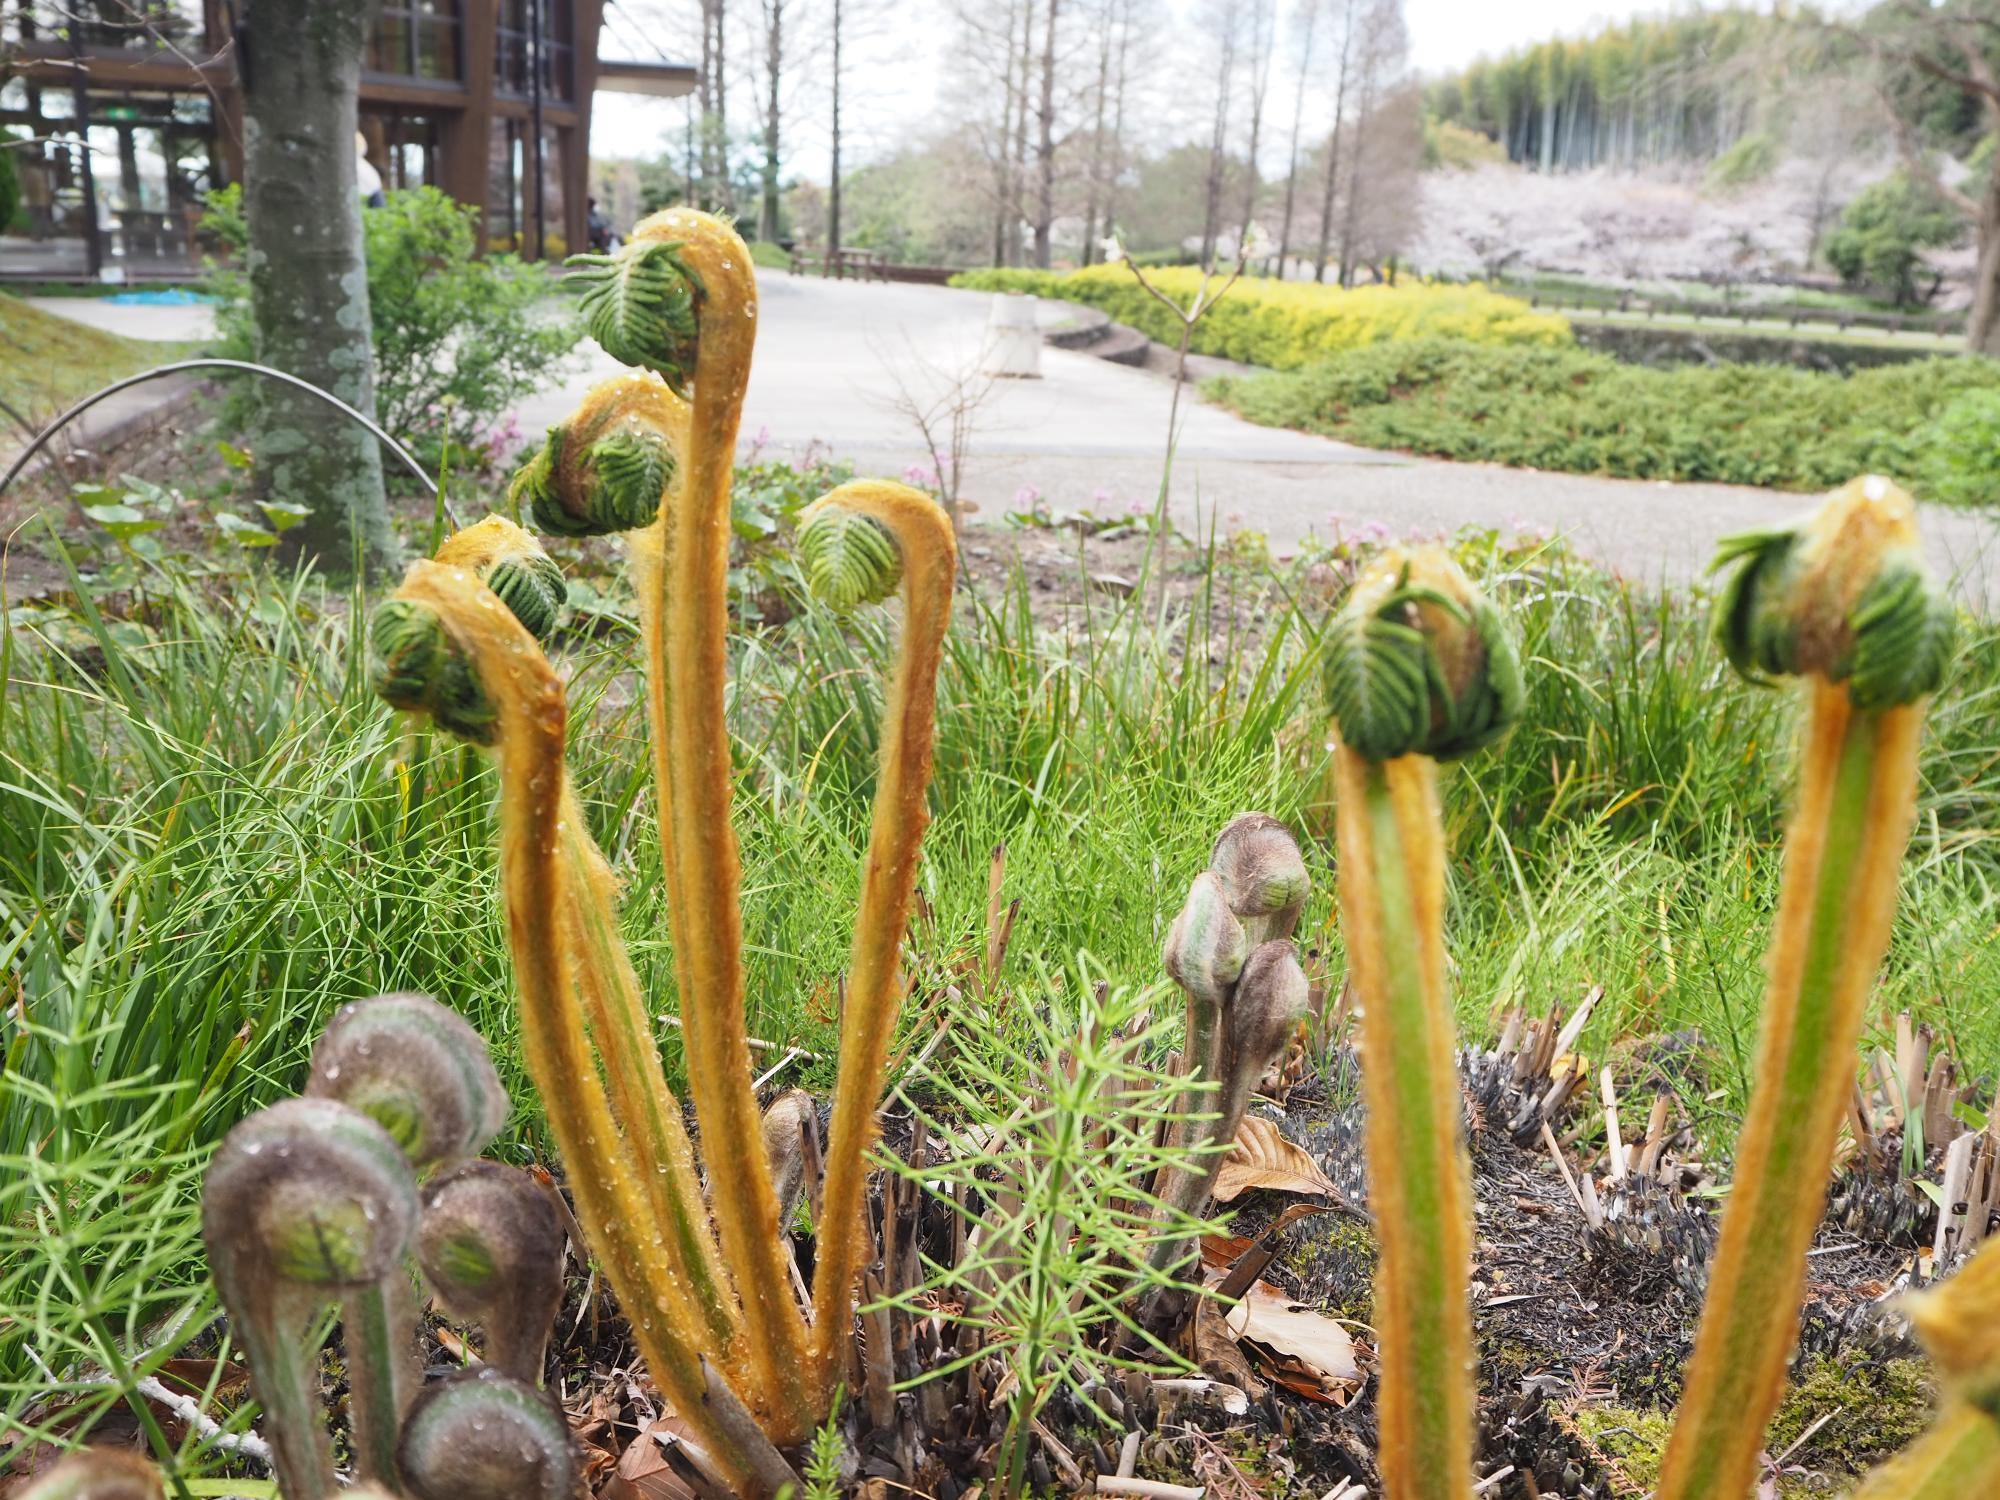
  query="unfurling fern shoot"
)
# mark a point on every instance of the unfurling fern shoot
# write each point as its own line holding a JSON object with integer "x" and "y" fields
{"x": 630, "y": 1166}
{"x": 857, "y": 544}
{"x": 1842, "y": 599}
{"x": 1419, "y": 668}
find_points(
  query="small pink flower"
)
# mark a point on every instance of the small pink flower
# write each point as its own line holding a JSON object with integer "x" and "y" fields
{"x": 1136, "y": 507}
{"x": 1375, "y": 531}
{"x": 921, "y": 475}
{"x": 1337, "y": 521}
{"x": 763, "y": 436}
{"x": 1027, "y": 495}
{"x": 1101, "y": 496}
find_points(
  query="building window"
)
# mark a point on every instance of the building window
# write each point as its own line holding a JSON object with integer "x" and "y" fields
{"x": 415, "y": 39}
{"x": 516, "y": 55}
{"x": 142, "y": 25}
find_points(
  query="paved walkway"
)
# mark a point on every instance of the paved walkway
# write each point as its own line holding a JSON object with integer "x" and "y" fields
{"x": 1091, "y": 435}
{"x": 835, "y": 359}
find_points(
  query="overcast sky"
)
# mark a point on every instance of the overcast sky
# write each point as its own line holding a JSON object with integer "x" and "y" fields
{"x": 897, "y": 70}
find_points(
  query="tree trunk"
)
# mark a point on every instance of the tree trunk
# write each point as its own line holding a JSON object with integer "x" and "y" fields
{"x": 1298, "y": 119}
{"x": 833, "y": 187}
{"x": 774, "y": 67}
{"x": 1333, "y": 148}
{"x": 1045, "y": 144}
{"x": 308, "y": 278}
{"x": 1095, "y": 184}
{"x": 1218, "y": 146}
{"x": 1017, "y": 176}
{"x": 1261, "y": 21}
{"x": 1352, "y": 218}
{"x": 1983, "y": 327}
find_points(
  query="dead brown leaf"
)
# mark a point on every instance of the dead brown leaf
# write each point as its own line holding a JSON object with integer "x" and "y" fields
{"x": 1262, "y": 1158}
{"x": 1268, "y": 1317}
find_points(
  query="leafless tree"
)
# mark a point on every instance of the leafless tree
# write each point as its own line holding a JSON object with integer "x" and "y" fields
{"x": 1045, "y": 144}
{"x": 1384, "y": 50}
{"x": 715, "y": 105}
{"x": 1305, "y": 21}
{"x": 772, "y": 16}
{"x": 1263, "y": 21}
{"x": 1951, "y": 42}
{"x": 1345, "y": 13}
{"x": 1223, "y": 24}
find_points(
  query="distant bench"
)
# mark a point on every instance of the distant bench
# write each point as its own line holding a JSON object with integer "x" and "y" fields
{"x": 847, "y": 261}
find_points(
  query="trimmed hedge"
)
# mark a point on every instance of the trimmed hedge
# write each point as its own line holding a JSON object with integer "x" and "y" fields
{"x": 1287, "y": 325}
{"x": 1584, "y": 413}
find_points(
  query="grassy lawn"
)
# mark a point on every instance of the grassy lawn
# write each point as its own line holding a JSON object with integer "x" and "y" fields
{"x": 212, "y": 834}
{"x": 51, "y": 361}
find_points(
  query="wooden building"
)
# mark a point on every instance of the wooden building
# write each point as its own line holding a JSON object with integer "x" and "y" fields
{"x": 133, "y": 113}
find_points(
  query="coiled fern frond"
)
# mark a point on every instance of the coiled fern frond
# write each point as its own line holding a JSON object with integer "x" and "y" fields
{"x": 628, "y": 473}
{"x": 640, "y": 303}
{"x": 512, "y": 563}
{"x": 416, "y": 666}
{"x": 848, "y": 559}
{"x": 1419, "y": 662}
{"x": 1843, "y": 594}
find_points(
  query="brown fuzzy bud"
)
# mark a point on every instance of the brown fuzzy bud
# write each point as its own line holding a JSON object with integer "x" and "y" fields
{"x": 1205, "y": 947}
{"x": 491, "y": 1244}
{"x": 1263, "y": 875}
{"x": 481, "y": 1435}
{"x": 1271, "y": 999}
{"x": 791, "y": 1114}
{"x": 418, "y": 1070}
{"x": 98, "y": 1474}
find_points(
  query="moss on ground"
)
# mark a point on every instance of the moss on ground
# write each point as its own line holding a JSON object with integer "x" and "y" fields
{"x": 1879, "y": 1407}
{"x": 1629, "y": 1444}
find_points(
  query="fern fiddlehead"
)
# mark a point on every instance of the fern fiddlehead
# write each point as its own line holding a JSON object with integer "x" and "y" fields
{"x": 418, "y": 1070}
{"x": 483, "y": 1435}
{"x": 1419, "y": 668}
{"x": 1842, "y": 600}
{"x": 99, "y": 1474}
{"x": 512, "y": 563}
{"x": 643, "y": 302}
{"x": 860, "y": 542}
{"x": 655, "y": 1271}
{"x": 307, "y": 1201}
{"x": 491, "y": 1245}
{"x": 702, "y": 347}
{"x": 606, "y": 469}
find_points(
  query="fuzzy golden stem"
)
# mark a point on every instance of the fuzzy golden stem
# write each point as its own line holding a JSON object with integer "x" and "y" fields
{"x": 613, "y": 1206}
{"x": 1845, "y": 846}
{"x": 1392, "y": 913}
{"x": 689, "y": 679}
{"x": 922, "y": 534}
{"x": 650, "y": 1116}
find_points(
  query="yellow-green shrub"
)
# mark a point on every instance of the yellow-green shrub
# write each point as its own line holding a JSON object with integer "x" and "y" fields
{"x": 1289, "y": 324}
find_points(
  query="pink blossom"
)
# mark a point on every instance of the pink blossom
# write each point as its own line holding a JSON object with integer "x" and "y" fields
{"x": 1027, "y": 496}
{"x": 921, "y": 475}
{"x": 1136, "y": 507}
{"x": 1375, "y": 531}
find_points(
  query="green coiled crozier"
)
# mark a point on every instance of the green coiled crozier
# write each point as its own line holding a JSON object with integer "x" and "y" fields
{"x": 511, "y": 562}
{"x": 416, "y": 667}
{"x": 1840, "y": 595}
{"x": 849, "y": 559}
{"x": 1419, "y": 663}
{"x": 643, "y": 302}
{"x": 607, "y": 468}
